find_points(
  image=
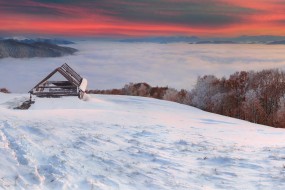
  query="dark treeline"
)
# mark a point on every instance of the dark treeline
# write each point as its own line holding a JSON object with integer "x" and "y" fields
{"x": 258, "y": 97}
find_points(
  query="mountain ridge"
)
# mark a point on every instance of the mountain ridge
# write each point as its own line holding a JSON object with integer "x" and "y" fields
{"x": 23, "y": 49}
{"x": 262, "y": 39}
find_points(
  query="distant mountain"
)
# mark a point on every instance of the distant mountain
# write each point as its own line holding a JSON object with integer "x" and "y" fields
{"x": 57, "y": 41}
{"x": 277, "y": 42}
{"x": 44, "y": 40}
{"x": 215, "y": 42}
{"x": 265, "y": 39}
{"x": 21, "y": 49}
{"x": 163, "y": 40}
{"x": 258, "y": 39}
{"x": 244, "y": 40}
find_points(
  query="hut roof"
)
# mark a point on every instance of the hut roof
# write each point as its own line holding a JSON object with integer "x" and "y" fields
{"x": 74, "y": 84}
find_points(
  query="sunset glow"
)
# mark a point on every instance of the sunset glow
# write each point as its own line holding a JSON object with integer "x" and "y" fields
{"x": 142, "y": 18}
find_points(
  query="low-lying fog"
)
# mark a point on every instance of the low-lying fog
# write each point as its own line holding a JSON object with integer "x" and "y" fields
{"x": 112, "y": 64}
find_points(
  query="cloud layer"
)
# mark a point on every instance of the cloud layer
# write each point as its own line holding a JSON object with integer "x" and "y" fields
{"x": 112, "y": 64}
{"x": 141, "y": 18}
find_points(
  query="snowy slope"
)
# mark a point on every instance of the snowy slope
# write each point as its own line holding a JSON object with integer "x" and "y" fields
{"x": 121, "y": 142}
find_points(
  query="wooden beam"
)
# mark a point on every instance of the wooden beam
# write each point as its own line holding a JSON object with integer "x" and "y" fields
{"x": 70, "y": 71}
{"x": 68, "y": 77}
{"x": 56, "y": 93}
{"x": 58, "y": 82}
{"x": 57, "y": 87}
{"x": 46, "y": 78}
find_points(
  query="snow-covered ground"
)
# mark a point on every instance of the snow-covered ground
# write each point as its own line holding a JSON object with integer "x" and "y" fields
{"x": 123, "y": 142}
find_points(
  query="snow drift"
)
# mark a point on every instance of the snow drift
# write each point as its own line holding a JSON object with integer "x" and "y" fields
{"x": 121, "y": 142}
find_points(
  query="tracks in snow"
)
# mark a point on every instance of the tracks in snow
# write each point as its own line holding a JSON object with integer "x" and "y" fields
{"x": 16, "y": 146}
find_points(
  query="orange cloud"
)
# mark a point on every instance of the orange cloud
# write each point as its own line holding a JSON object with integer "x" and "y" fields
{"x": 193, "y": 17}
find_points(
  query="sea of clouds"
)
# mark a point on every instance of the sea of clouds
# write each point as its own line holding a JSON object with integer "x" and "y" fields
{"x": 112, "y": 64}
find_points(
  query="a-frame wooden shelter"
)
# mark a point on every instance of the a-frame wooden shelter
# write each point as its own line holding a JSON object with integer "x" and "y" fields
{"x": 74, "y": 85}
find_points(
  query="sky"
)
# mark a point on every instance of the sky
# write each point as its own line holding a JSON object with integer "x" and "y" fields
{"x": 133, "y": 18}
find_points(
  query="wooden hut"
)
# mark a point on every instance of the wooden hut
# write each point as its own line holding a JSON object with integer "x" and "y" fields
{"x": 72, "y": 85}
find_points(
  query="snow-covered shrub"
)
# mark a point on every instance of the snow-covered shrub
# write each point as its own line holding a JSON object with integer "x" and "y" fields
{"x": 171, "y": 94}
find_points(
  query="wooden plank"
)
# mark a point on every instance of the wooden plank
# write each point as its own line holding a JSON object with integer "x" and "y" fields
{"x": 68, "y": 77}
{"x": 57, "y": 82}
{"x": 71, "y": 72}
{"x": 58, "y": 87}
{"x": 56, "y": 93}
{"x": 46, "y": 78}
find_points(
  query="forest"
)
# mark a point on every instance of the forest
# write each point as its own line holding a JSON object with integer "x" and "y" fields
{"x": 255, "y": 96}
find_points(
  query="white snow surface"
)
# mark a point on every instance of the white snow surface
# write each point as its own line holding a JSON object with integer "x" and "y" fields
{"x": 83, "y": 85}
{"x": 124, "y": 142}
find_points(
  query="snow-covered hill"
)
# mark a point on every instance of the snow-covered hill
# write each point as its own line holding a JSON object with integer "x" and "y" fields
{"x": 121, "y": 142}
{"x": 28, "y": 49}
